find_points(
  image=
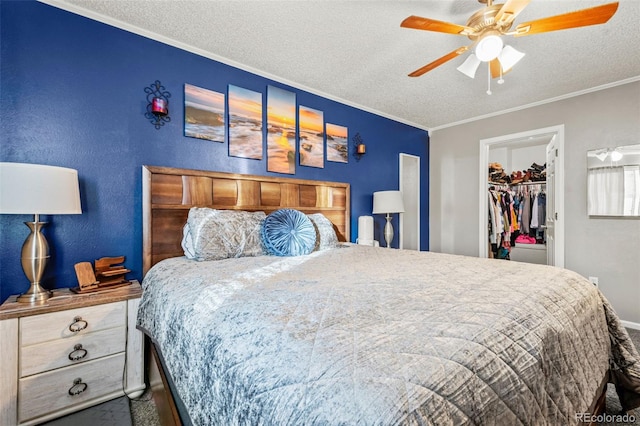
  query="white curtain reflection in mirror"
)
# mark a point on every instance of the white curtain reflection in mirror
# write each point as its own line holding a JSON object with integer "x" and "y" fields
{"x": 631, "y": 191}
{"x": 614, "y": 191}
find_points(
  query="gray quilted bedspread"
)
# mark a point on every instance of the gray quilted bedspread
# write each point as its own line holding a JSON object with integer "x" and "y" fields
{"x": 368, "y": 336}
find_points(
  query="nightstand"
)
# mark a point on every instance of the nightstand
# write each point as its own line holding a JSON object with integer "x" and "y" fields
{"x": 72, "y": 352}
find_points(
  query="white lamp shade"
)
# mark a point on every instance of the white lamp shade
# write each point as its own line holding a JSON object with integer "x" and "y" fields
{"x": 509, "y": 57}
{"x": 387, "y": 202}
{"x": 470, "y": 66}
{"x": 38, "y": 189}
{"x": 489, "y": 48}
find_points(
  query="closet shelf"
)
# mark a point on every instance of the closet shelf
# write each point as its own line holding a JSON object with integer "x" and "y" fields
{"x": 542, "y": 182}
{"x": 530, "y": 246}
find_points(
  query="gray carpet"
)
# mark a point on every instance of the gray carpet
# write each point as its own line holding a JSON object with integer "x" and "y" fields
{"x": 110, "y": 413}
{"x": 142, "y": 411}
{"x": 117, "y": 412}
{"x": 613, "y": 405}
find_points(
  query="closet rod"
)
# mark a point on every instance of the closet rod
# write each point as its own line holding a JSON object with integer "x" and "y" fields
{"x": 541, "y": 182}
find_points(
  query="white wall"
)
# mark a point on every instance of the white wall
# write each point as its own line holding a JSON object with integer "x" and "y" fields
{"x": 523, "y": 158}
{"x": 501, "y": 155}
{"x": 606, "y": 248}
{"x": 518, "y": 158}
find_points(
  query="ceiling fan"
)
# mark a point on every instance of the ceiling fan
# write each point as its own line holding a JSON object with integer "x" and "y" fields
{"x": 487, "y": 26}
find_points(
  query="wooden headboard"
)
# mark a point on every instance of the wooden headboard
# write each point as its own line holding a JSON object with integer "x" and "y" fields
{"x": 169, "y": 193}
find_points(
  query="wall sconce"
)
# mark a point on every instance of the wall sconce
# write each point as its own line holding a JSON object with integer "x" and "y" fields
{"x": 360, "y": 147}
{"x": 157, "y": 104}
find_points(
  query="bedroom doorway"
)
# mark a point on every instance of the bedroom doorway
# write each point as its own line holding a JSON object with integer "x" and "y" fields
{"x": 549, "y": 141}
{"x": 410, "y": 188}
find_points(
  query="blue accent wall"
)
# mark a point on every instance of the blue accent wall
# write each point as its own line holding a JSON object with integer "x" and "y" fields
{"x": 72, "y": 95}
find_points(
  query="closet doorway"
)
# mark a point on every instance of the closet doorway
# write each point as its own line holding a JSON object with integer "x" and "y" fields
{"x": 549, "y": 141}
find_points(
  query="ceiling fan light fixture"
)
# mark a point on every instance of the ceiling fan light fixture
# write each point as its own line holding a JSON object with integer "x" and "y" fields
{"x": 509, "y": 57}
{"x": 470, "y": 66}
{"x": 489, "y": 47}
{"x": 602, "y": 155}
{"x": 616, "y": 155}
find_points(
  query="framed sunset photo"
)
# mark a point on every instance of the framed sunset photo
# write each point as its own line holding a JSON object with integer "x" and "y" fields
{"x": 245, "y": 123}
{"x": 337, "y": 148}
{"x": 311, "y": 137}
{"x": 204, "y": 114}
{"x": 281, "y": 131}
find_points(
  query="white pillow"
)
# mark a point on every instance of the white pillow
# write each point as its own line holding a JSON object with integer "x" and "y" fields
{"x": 326, "y": 235}
{"x": 211, "y": 234}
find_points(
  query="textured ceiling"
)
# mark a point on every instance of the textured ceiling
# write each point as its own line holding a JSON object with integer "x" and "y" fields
{"x": 356, "y": 52}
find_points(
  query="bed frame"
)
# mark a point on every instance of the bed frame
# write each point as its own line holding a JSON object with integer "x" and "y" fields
{"x": 169, "y": 193}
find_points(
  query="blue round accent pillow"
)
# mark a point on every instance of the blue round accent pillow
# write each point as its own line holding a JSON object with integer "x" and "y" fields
{"x": 288, "y": 232}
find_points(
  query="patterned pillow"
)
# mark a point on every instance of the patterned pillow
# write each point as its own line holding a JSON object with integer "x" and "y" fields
{"x": 288, "y": 232}
{"x": 327, "y": 237}
{"x": 211, "y": 234}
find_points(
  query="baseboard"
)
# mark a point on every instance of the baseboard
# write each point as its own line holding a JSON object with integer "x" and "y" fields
{"x": 629, "y": 324}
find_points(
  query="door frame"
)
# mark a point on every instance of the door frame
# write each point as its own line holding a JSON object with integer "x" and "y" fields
{"x": 558, "y": 190}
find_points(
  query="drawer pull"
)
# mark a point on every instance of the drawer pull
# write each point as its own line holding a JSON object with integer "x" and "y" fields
{"x": 77, "y": 353}
{"x": 78, "y": 324}
{"x": 78, "y": 387}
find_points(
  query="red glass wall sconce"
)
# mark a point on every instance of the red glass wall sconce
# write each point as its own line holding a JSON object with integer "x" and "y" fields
{"x": 157, "y": 104}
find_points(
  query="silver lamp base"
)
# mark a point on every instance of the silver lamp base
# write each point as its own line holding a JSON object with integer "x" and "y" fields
{"x": 35, "y": 295}
{"x": 388, "y": 231}
{"x": 35, "y": 255}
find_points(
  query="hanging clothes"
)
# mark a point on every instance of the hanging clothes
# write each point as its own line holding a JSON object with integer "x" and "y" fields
{"x": 502, "y": 220}
{"x": 493, "y": 238}
{"x": 526, "y": 213}
{"x": 531, "y": 201}
{"x": 534, "y": 212}
{"x": 542, "y": 208}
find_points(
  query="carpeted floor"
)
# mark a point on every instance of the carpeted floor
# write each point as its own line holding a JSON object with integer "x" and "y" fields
{"x": 613, "y": 405}
{"x": 142, "y": 411}
{"x": 110, "y": 413}
{"x": 117, "y": 412}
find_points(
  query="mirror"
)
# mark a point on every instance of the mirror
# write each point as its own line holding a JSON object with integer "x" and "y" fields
{"x": 613, "y": 181}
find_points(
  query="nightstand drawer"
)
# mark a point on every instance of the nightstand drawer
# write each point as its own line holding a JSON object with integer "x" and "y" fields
{"x": 48, "y": 392}
{"x": 57, "y": 325}
{"x": 59, "y": 353}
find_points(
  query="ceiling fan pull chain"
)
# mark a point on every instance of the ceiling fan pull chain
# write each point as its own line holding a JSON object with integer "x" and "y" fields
{"x": 488, "y": 78}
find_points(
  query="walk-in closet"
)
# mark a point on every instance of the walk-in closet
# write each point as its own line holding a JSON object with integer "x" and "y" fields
{"x": 540, "y": 152}
{"x": 517, "y": 201}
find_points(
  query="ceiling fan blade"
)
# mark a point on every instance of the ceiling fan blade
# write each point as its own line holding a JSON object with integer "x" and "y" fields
{"x": 438, "y": 62}
{"x": 510, "y": 11}
{"x": 579, "y": 18}
{"x": 419, "y": 23}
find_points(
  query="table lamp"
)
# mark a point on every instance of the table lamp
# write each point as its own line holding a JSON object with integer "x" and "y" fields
{"x": 388, "y": 202}
{"x": 37, "y": 189}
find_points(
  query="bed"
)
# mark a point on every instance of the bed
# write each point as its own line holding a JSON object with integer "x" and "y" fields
{"x": 354, "y": 334}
